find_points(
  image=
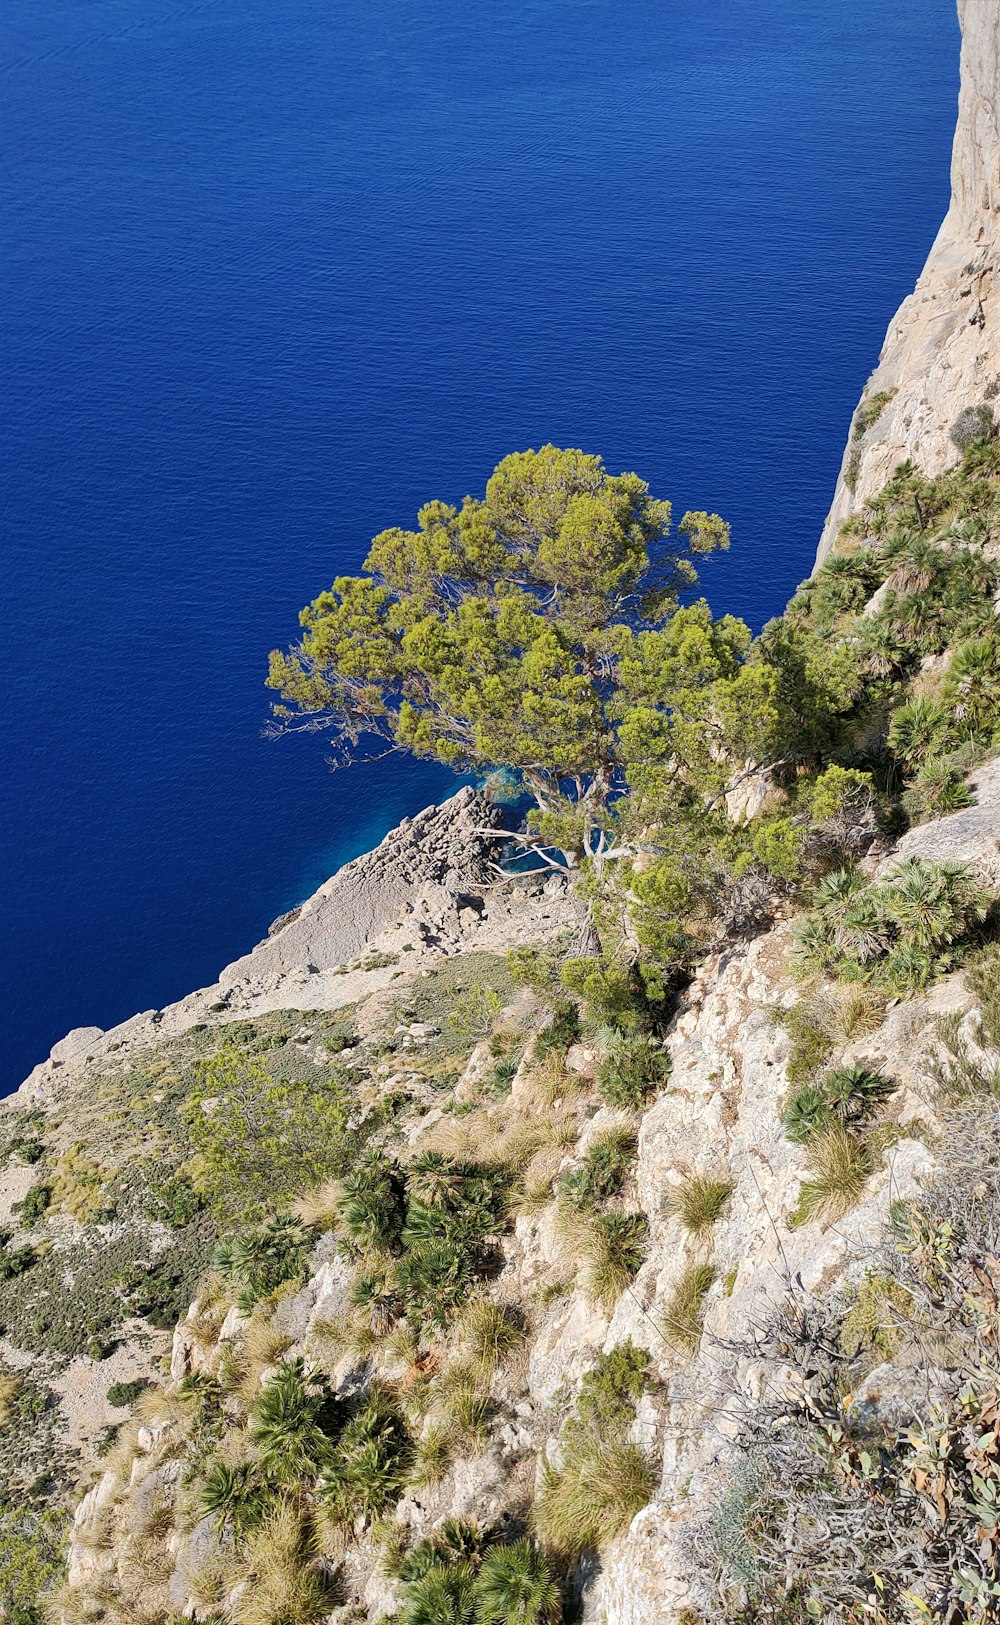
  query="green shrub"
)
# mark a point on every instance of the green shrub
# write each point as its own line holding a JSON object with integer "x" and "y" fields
{"x": 870, "y": 410}
{"x": 262, "y": 1140}
{"x": 122, "y": 1395}
{"x": 516, "y": 1586}
{"x": 261, "y": 1260}
{"x": 290, "y": 1425}
{"x": 603, "y": 1171}
{"x": 35, "y": 1204}
{"x": 176, "y": 1202}
{"x": 367, "y": 1467}
{"x": 850, "y": 1095}
{"x": 633, "y": 1071}
{"x": 562, "y": 1031}
{"x": 494, "y": 1332}
{"x": 901, "y": 931}
{"x": 474, "y": 1012}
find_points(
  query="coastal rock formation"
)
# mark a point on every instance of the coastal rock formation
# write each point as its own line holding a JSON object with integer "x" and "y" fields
{"x": 430, "y": 888}
{"x": 942, "y": 351}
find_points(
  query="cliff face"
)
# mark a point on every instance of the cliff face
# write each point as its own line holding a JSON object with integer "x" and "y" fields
{"x": 942, "y": 350}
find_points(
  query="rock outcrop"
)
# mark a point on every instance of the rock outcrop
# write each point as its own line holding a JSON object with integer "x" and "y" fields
{"x": 942, "y": 351}
{"x": 431, "y": 888}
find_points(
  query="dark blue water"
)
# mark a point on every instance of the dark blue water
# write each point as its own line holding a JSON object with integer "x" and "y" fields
{"x": 276, "y": 271}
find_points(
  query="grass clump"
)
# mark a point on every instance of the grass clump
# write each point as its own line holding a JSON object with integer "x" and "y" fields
{"x": 684, "y": 1315}
{"x": 840, "y": 1166}
{"x": 699, "y": 1200}
{"x": 494, "y": 1333}
{"x": 604, "y": 1480}
{"x": 612, "y": 1248}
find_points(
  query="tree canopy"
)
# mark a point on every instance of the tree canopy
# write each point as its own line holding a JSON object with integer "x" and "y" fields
{"x": 537, "y": 628}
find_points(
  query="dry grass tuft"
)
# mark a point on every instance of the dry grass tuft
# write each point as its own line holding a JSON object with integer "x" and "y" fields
{"x": 684, "y": 1315}
{"x": 320, "y": 1207}
{"x": 699, "y": 1201}
{"x": 494, "y": 1333}
{"x": 841, "y": 1165}
{"x": 594, "y": 1497}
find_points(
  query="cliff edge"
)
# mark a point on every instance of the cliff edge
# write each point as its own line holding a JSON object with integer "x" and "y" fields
{"x": 942, "y": 351}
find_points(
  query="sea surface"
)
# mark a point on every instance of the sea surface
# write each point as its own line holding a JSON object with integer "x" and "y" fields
{"x": 277, "y": 271}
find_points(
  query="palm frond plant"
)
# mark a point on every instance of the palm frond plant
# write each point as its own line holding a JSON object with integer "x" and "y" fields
{"x": 516, "y": 1586}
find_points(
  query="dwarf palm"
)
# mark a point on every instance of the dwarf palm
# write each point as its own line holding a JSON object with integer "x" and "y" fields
{"x": 286, "y": 1425}
{"x": 444, "y": 1596}
{"x": 516, "y": 1587}
{"x": 972, "y": 687}
{"x": 915, "y": 728}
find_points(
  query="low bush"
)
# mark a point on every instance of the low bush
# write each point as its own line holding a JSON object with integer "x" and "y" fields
{"x": 494, "y": 1332}
{"x": 974, "y": 423}
{"x": 35, "y": 1205}
{"x": 632, "y": 1071}
{"x": 849, "y": 1095}
{"x": 901, "y": 931}
{"x": 606, "y": 1165}
{"x": 261, "y": 1260}
{"x": 122, "y": 1395}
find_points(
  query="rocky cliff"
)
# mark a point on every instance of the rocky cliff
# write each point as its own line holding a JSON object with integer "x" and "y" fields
{"x": 709, "y": 1307}
{"x": 942, "y": 351}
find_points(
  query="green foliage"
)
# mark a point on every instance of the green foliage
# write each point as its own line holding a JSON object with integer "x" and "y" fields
{"x": 560, "y": 1032}
{"x": 260, "y": 1139}
{"x": 474, "y": 1012}
{"x": 625, "y": 996}
{"x": 290, "y": 1425}
{"x": 850, "y": 1095}
{"x": 603, "y": 1171}
{"x": 14, "y": 1260}
{"x": 516, "y": 1586}
{"x": 632, "y": 1071}
{"x": 872, "y": 1323}
{"x": 870, "y": 410}
{"x": 261, "y": 1260}
{"x": 485, "y": 636}
{"x": 176, "y": 1202}
{"x": 493, "y": 1332}
{"x": 31, "y": 1560}
{"x": 613, "y": 1247}
{"x": 371, "y": 1207}
{"x": 35, "y": 1204}
{"x": 234, "y": 1495}
{"x": 901, "y": 931}
{"x": 122, "y": 1395}
{"x": 367, "y": 1467}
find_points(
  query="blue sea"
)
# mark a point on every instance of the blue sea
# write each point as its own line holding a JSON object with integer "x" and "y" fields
{"x": 277, "y": 271}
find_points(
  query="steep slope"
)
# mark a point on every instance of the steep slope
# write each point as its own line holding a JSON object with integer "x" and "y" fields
{"x": 942, "y": 351}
